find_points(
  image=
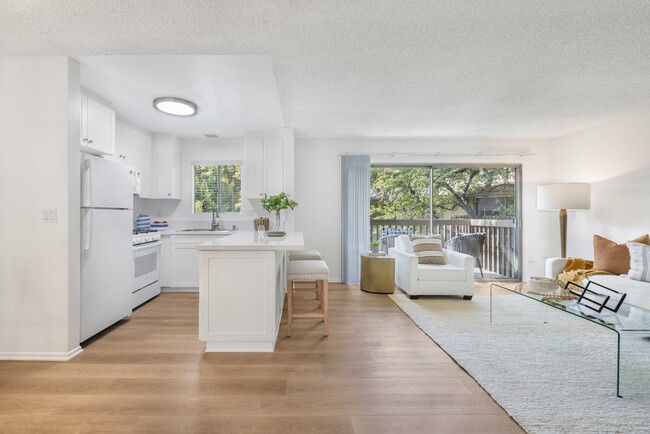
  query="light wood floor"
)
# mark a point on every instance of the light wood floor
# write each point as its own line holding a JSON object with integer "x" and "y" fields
{"x": 375, "y": 373}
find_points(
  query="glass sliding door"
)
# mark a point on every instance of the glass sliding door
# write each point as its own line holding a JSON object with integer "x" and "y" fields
{"x": 474, "y": 208}
{"x": 400, "y": 198}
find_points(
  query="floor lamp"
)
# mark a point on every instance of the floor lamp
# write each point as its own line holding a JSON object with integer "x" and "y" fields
{"x": 561, "y": 197}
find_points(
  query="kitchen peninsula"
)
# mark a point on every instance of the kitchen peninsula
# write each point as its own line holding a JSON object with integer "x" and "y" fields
{"x": 241, "y": 290}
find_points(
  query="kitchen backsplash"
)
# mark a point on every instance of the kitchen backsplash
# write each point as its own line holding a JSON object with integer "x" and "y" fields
{"x": 161, "y": 210}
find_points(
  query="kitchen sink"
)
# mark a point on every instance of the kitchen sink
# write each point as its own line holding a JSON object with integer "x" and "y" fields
{"x": 217, "y": 231}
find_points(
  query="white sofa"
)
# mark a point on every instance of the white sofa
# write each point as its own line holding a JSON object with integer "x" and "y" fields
{"x": 638, "y": 292}
{"x": 454, "y": 278}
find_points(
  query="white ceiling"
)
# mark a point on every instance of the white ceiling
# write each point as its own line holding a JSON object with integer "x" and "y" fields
{"x": 384, "y": 68}
{"x": 236, "y": 95}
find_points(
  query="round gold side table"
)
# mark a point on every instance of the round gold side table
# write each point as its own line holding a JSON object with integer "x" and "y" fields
{"x": 378, "y": 274}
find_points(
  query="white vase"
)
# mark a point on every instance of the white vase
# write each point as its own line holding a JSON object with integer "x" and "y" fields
{"x": 277, "y": 222}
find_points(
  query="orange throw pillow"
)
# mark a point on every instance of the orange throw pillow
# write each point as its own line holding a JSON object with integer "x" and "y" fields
{"x": 612, "y": 257}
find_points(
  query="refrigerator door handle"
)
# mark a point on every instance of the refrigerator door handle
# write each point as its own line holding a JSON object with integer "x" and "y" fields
{"x": 87, "y": 236}
{"x": 88, "y": 178}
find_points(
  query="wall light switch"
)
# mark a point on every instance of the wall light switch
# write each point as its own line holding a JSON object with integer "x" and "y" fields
{"x": 49, "y": 215}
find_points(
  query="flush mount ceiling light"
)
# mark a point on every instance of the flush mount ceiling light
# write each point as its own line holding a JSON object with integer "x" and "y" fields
{"x": 175, "y": 106}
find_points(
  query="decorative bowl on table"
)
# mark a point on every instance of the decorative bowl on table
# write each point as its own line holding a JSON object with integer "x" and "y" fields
{"x": 543, "y": 284}
{"x": 276, "y": 234}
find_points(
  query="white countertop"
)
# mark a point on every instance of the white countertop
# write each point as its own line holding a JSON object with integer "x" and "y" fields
{"x": 168, "y": 232}
{"x": 249, "y": 240}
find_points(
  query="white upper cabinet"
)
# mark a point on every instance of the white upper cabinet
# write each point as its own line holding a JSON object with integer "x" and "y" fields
{"x": 254, "y": 163}
{"x": 134, "y": 148}
{"x": 268, "y": 165}
{"x": 97, "y": 127}
{"x": 167, "y": 164}
{"x": 274, "y": 165}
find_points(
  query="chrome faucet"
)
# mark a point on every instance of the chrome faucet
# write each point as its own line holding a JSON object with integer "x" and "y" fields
{"x": 215, "y": 219}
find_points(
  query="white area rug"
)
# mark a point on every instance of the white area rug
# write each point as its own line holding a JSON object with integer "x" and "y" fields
{"x": 557, "y": 377}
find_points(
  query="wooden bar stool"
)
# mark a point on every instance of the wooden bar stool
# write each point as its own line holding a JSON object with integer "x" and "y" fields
{"x": 308, "y": 271}
{"x": 306, "y": 255}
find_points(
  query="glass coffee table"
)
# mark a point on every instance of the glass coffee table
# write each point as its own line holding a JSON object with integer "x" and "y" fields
{"x": 631, "y": 324}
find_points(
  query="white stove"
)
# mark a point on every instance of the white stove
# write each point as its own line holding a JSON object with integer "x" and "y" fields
{"x": 145, "y": 238}
{"x": 146, "y": 256}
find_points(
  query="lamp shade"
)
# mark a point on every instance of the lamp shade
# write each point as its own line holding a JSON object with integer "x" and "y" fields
{"x": 551, "y": 197}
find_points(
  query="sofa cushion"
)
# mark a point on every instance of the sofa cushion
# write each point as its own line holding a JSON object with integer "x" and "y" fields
{"x": 446, "y": 272}
{"x": 612, "y": 257}
{"x": 639, "y": 261}
{"x": 638, "y": 292}
{"x": 403, "y": 243}
{"x": 428, "y": 249}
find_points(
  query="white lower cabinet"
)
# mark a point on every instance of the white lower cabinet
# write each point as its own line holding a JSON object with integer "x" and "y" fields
{"x": 182, "y": 267}
{"x": 165, "y": 261}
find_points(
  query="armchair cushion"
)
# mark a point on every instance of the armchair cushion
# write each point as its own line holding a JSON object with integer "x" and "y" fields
{"x": 433, "y": 272}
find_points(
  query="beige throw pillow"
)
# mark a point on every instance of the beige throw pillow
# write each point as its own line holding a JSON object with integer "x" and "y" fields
{"x": 428, "y": 249}
{"x": 612, "y": 257}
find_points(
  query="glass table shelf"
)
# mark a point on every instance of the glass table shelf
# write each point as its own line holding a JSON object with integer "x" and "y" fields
{"x": 629, "y": 322}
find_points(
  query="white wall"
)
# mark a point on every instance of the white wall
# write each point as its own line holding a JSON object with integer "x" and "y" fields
{"x": 39, "y": 168}
{"x": 615, "y": 159}
{"x": 179, "y": 213}
{"x": 318, "y": 187}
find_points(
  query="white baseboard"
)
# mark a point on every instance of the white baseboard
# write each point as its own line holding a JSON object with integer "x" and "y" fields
{"x": 178, "y": 289}
{"x": 46, "y": 357}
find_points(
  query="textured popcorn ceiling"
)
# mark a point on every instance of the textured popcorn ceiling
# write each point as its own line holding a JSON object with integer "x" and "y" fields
{"x": 384, "y": 68}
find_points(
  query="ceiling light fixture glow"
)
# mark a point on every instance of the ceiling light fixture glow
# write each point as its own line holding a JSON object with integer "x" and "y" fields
{"x": 175, "y": 106}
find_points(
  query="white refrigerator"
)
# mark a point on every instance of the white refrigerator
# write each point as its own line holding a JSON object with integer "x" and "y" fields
{"x": 106, "y": 243}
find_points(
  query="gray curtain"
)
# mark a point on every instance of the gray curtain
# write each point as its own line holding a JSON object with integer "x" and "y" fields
{"x": 355, "y": 214}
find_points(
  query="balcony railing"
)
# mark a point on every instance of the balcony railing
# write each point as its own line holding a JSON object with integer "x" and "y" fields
{"x": 499, "y": 251}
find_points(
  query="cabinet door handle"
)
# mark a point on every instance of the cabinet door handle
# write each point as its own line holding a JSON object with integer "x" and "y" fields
{"x": 90, "y": 141}
{"x": 85, "y": 140}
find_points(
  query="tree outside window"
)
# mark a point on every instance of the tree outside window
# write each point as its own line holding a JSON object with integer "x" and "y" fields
{"x": 403, "y": 193}
{"x": 217, "y": 187}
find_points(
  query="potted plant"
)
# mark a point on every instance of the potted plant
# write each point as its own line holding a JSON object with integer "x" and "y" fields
{"x": 277, "y": 203}
{"x": 374, "y": 246}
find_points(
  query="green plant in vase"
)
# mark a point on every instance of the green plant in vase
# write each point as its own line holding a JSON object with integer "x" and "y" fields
{"x": 277, "y": 203}
{"x": 374, "y": 246}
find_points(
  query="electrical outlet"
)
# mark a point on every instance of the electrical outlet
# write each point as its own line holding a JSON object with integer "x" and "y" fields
{"x": 49, "y": 215}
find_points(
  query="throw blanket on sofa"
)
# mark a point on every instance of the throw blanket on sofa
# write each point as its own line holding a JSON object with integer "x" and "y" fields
{"x": 576, "y": 270}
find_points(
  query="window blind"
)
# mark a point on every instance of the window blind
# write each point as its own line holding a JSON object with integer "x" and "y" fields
{"x": 216, "y": 187}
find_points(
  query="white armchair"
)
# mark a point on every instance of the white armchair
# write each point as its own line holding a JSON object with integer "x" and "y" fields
{"x": 456, "y": 277}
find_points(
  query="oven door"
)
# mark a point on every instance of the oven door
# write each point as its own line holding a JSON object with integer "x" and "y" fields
{"x": 147, "y": 264}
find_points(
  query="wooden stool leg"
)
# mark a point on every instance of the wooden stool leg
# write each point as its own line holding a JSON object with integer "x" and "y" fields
{"x": 289, "y": 306}
{"x": 319, "y": 293}
{"x": 324, "y": 296}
